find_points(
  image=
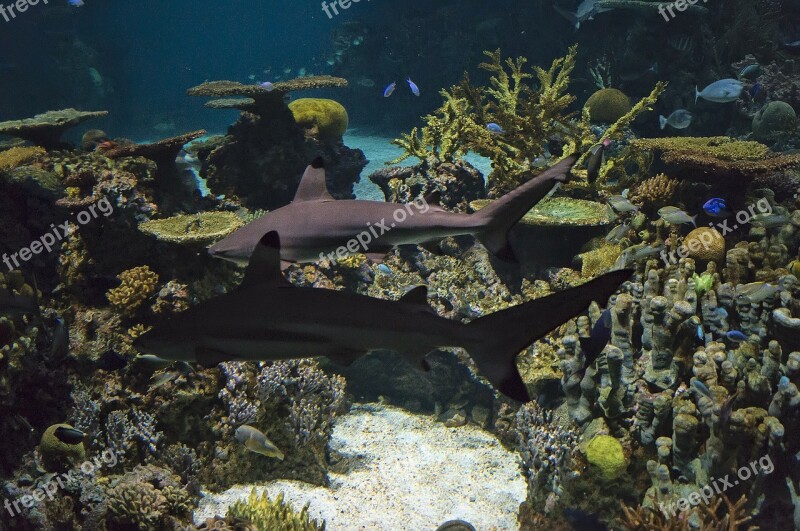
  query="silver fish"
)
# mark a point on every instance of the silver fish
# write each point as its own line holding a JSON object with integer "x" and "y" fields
{"x": 634, "y": 253}
{"x": 770, "y": 220}
{"x": 618, "y": 232}
{"x": 162, "y": 380}
{"x": 680, "y": 119}
{"x": 722, "y": 91}
{"x": 255, "y": 441}
{"x": 675, "y": 216}
{"x": 621, "y": 204}
{"x": 756, "y": 291}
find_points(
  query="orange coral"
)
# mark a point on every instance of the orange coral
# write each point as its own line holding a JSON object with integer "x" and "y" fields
{"x": 657, "y": 189}
{"x": 137, "y": 285}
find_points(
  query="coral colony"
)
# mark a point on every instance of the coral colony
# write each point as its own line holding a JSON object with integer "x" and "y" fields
{"x": 617, "y": 307}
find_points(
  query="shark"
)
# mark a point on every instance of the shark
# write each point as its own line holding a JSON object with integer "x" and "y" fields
{"x": 267, "y": 318}
{"x": 586, "y": 10}
{"x": 315, "y": 225}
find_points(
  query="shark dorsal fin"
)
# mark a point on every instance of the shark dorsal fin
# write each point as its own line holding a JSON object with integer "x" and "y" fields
{"x": 313, "y": 186}
{"x": 265, "y": 262}
{"x": 416, "y": 295}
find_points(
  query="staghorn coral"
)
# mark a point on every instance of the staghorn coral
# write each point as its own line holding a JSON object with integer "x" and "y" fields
{"x": 193, "y": 229}
{"x": 137, "y": 285}
{"x": 262, "y": 513}
{"x": 19, "y": 156}
{"x": 719, "y": 515}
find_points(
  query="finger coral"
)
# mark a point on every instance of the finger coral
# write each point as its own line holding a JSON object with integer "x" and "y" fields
{"x": 137, "y": 285}
{"x": 657, "y": 190}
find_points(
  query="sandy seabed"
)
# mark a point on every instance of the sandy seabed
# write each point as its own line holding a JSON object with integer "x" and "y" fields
{"x": 408, "y": 472}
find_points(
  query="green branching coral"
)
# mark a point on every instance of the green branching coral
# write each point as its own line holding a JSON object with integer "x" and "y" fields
{"x": 529, "y": 113}
{"x": 262, "y": 513}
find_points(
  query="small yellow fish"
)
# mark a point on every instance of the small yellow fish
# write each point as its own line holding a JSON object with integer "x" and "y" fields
{"x": 255, "y": 441}
{"x": 794, "y": 268}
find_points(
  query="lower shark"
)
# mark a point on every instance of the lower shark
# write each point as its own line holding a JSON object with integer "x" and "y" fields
{"x": 266, "y": 318}
{"x": 315, "y": 224}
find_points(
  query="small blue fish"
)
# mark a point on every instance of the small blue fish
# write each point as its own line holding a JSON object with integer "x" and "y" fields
{"x": 413, "y": 86}
{"x": 700, "y": 334}
{"x": 389, "y": 89}
{"x": 755, "y": 90}
{"x": 266, "y": 85}
{"x": 75, "y": 3}
{"x": 717, "y": 207}
{"x": 736, "y": 336}
{"x": 783, "y": 383}
{"x": 701, "y": 387}
{"x": 722, "y": 312}
{"x": 383, "y": 268}
{"x": 494, "y": 128}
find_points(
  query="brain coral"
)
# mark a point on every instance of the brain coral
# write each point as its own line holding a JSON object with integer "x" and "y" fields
{"x": 608, "y": 105}
{"x": 605, "y": 453}
{"x": 326, "y": 118}
{"x": 705, "y": 243}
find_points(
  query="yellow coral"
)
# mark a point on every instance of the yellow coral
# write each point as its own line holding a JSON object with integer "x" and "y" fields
{"x": 326, "y": 118}
{"x": 262, "y": 513}
{"x": 608, "y": 105}
{"x": 200, "y": 229}
{"x": 17, "y": 156}
{"x": 137, "y": 285}
{"x": 600, "y": 260}
{"x": 705, "y": 243}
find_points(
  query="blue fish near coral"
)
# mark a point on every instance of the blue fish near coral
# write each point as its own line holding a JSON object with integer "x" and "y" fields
{"x": 722, "y": 91}
{"x": 389, "y": 89}
{"x": 413, "y": 86}
{"x": 716, "y": 207}
{"x": 494, "y": 128}
{"x": 737, "y": 336}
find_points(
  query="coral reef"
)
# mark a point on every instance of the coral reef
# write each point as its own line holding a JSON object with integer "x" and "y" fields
{"x": 326, "y": 119}
{"x": 137, "y": 285}
{"x": 18, "y": 156}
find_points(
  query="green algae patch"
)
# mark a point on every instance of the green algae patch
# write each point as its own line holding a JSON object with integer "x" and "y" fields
{"x": 193, "y": 229}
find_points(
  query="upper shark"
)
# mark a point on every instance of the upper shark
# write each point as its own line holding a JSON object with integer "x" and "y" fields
{"x": 314, "y": 224}
{"x": 268, "y": 318}
{"x": 586, "y": 10}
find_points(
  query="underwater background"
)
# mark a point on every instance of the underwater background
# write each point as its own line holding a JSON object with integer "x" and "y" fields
{"x": 371, "y": 265}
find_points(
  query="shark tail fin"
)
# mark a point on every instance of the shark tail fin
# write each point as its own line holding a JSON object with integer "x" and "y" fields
{"x": 499, "y": 216}
{"x": 499, "y": 337}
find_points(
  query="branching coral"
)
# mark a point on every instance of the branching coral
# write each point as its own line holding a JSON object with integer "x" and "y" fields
{"x": 657, "y": 190}
{"x": 262, "y": 513}
{"x": 137, "y": 285}
{"x": 732, "y": 517}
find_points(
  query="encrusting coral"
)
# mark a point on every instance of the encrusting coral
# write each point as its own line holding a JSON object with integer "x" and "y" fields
{"x": 45, "y": 129}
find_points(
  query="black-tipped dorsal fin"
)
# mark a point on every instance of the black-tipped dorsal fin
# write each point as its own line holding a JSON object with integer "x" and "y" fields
{"x": 265, "y": 262}
{"x": 313, "y": 186}
{"x": 416, "y": 295}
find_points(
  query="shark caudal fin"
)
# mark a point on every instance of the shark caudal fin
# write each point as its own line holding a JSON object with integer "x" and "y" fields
{"x": 504, "y": 334}
{"x": 502, "y": 214}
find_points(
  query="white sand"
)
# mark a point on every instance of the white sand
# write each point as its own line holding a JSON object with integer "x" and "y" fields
{"x": 410, "y": 473}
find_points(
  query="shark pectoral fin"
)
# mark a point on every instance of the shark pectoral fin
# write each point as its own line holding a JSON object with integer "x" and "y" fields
{"x": 376, "y": 258}
{"x": 265, "y": 263}
{"x": 345, "y": 358}
{"x": 416, "y": 295}
{"x": 209, "y": 358}
{"x": 312, "y": 185}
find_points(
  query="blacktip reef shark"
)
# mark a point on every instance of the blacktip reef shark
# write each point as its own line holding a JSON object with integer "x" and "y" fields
{"x": 266, "y": 318}
{"x": 314, "y": 224}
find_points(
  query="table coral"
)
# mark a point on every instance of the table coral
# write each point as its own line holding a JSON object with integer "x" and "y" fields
{"x": 192, "y": 229}
{"x": 137, "y": 285}
{"x": 45, "y": 129}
